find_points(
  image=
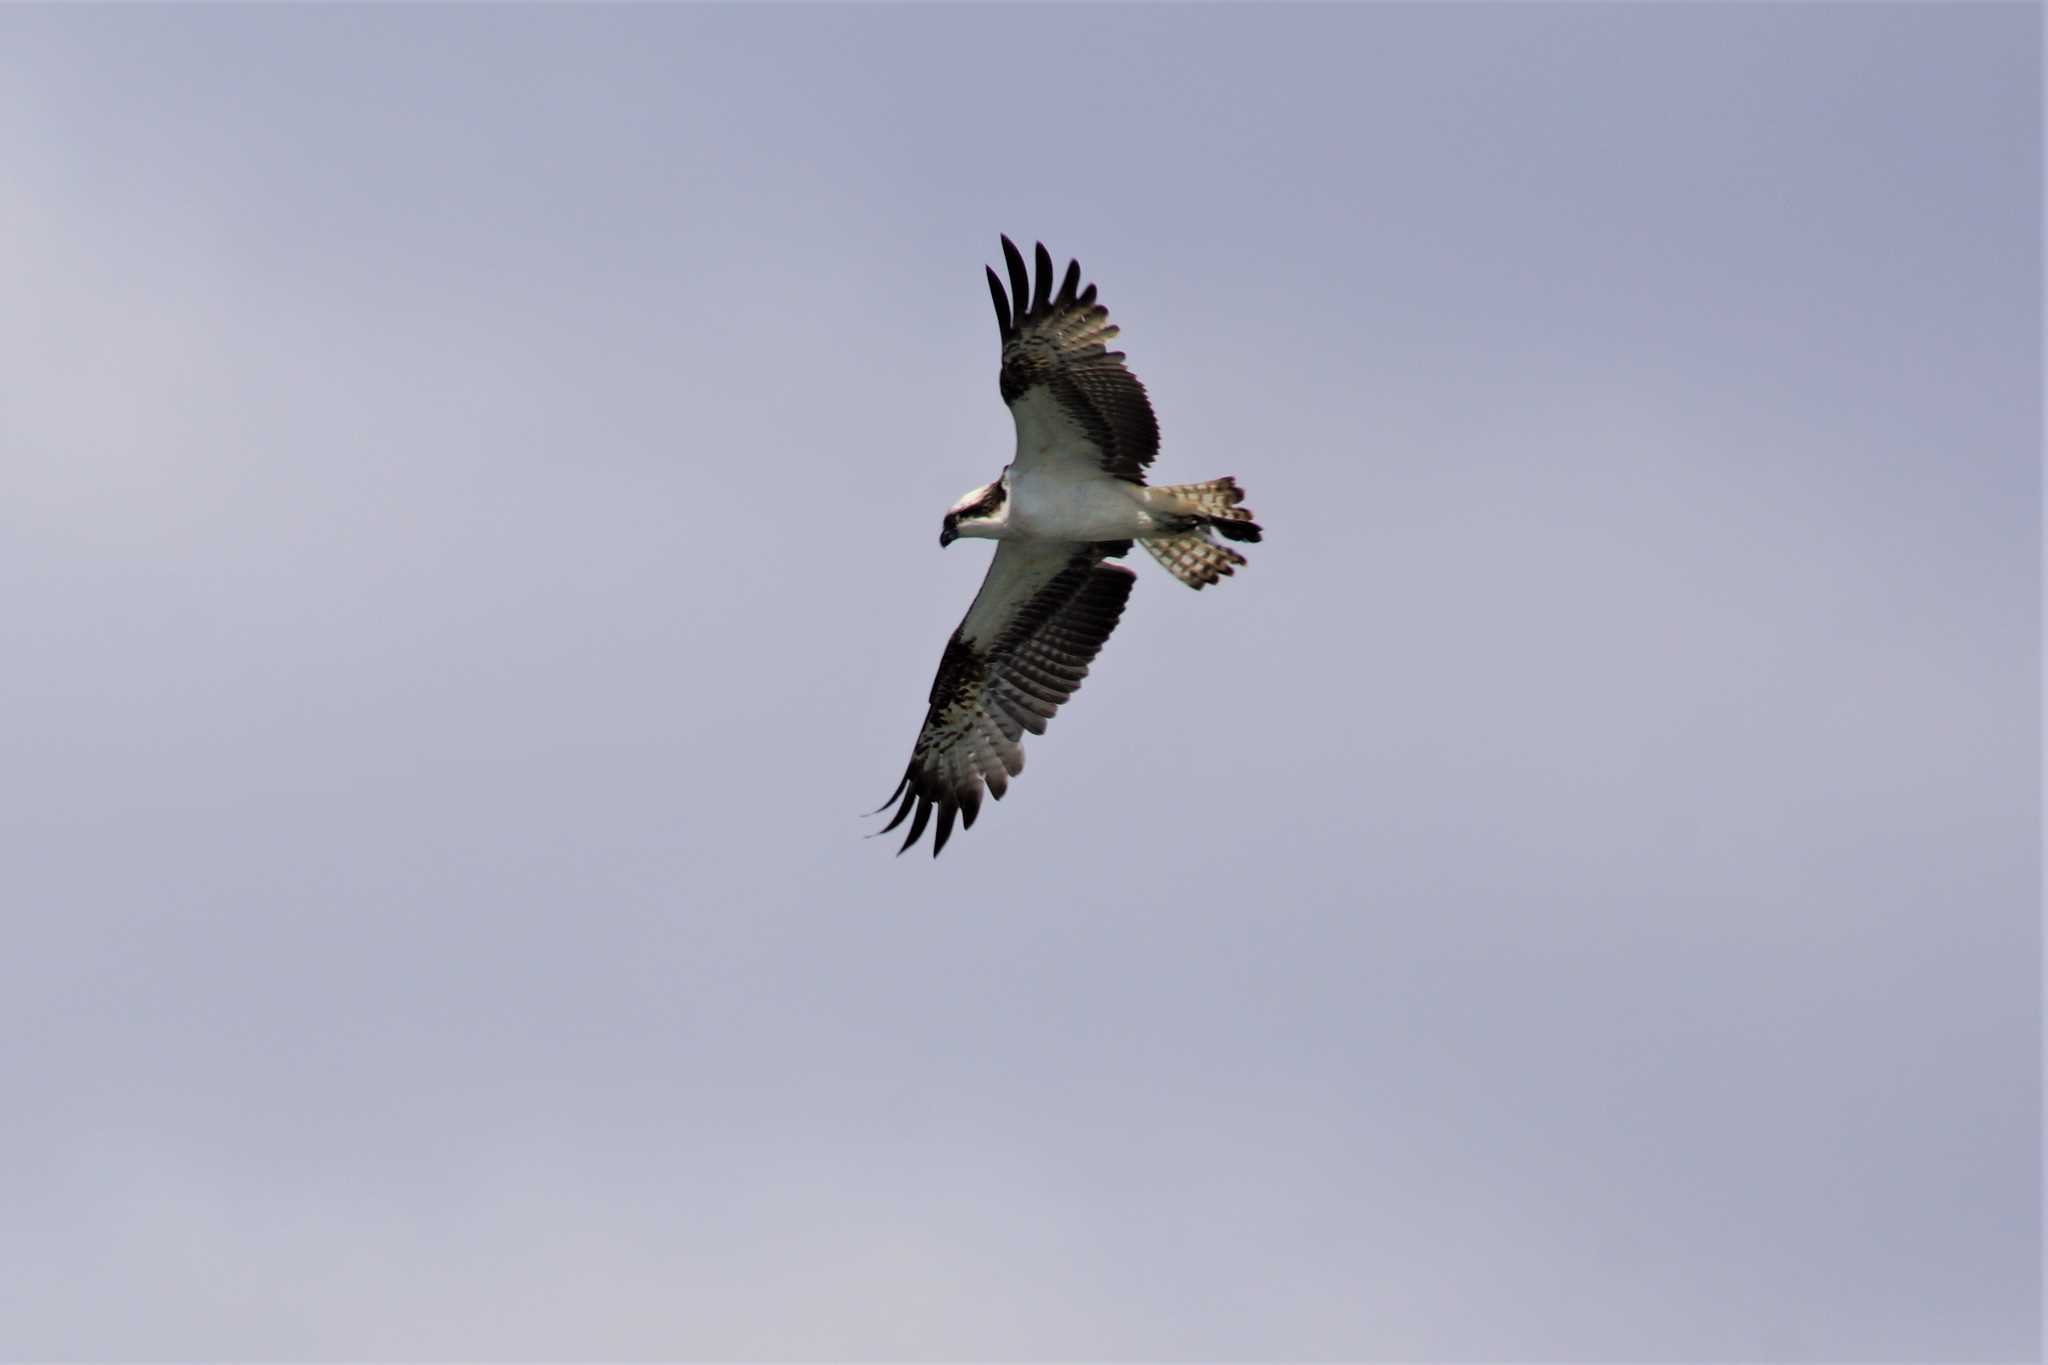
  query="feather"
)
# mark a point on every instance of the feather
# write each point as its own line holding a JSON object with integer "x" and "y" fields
{"x": 1070, "y": 284}
{"x": 995, "y": 289}
{"x": 1020, "y": 284}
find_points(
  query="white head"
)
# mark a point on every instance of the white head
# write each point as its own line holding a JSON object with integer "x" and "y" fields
{"x": 984, "y": 512}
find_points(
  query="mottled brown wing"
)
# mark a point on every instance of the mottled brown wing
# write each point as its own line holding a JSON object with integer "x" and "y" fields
{"x": 1040, "y": 619}
{"x": 1072, "y": 397}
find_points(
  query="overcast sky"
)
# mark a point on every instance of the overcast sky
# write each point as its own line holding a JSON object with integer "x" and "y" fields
{"x": 469, "y": 488}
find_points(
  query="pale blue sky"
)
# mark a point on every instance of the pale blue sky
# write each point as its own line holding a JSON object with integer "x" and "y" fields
{"x": 468, "y": 489}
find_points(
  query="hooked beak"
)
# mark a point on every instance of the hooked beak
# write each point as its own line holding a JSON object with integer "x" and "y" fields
{"x": 947, "y": 535}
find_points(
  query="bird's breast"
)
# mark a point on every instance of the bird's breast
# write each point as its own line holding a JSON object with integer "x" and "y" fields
{"x": 1049, "y": 507}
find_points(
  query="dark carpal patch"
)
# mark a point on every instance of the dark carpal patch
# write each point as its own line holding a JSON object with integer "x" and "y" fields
{"x": 960, "y": 672}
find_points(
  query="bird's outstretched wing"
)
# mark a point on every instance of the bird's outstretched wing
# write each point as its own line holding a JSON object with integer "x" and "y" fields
{"x": 1072, "y": 398}
{"x": 1039, "y": 620}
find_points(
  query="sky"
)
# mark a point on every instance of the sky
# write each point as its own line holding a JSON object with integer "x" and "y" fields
{"x": 469, "y": 489}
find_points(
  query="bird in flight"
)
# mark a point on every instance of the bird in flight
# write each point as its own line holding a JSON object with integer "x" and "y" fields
{"x": 1073, "y": 497}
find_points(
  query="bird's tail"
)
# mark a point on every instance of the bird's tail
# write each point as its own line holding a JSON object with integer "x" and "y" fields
{"x": 1215, "y": 504}
{"x": 1193, "y": 558}
{"x": 1192, "y": 554}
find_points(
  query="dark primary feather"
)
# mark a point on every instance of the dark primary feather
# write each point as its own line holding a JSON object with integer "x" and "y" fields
{"x": 986, "y": 696}
{"x": 1061, "y": 342}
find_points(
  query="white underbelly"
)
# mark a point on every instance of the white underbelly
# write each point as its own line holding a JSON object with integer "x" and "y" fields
{"x": 1043, "y": 508}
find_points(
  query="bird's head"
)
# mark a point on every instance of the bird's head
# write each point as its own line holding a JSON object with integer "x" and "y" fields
{"x": 980, "y": 513}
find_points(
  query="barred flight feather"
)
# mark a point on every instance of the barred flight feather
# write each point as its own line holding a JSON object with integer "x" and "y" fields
{"x": 1195, "y": 559}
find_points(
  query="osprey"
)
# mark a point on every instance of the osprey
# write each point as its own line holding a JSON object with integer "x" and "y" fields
{"x": 1073, "y": 497}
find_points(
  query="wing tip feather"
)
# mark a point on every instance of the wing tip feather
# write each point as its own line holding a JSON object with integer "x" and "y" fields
{"x": 917, "y": 824}
{"x": 1020, "y": 282}
{"x": 1041, "y": 297}
{"x": 995, "y": 289}
{"x": 1070, "y": 284}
